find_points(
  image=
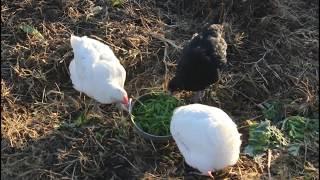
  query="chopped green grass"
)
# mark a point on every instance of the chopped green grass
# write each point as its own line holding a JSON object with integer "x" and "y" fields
{"x": 153, "y": 113}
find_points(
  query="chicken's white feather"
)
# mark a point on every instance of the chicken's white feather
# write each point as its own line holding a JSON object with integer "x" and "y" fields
{"x": 96, "y": 71}
{"x": 206, "y": 136}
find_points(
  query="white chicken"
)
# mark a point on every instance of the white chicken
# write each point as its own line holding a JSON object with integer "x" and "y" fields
{"x": 206, "y": 136}
{"x": 97, "y": 72}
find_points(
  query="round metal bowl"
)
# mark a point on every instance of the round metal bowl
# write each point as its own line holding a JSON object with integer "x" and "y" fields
{"x": 139, "y": 130}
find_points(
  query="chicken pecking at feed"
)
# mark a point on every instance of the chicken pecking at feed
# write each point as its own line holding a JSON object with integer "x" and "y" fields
{"x": 201, "y": 60}
{"x": 206, "y": 136}
{"x": 97, "y": 72}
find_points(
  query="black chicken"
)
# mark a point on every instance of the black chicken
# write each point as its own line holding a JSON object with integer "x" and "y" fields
{"x": 201, "y": 60}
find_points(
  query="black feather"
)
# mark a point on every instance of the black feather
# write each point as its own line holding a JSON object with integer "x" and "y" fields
{"x": 201, "y": 59}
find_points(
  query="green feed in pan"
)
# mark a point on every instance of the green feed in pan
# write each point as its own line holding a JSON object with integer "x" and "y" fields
{"x": 153, "y": 114}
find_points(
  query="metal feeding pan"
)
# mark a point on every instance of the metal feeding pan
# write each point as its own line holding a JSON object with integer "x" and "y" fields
{"x": 140, "y": 131}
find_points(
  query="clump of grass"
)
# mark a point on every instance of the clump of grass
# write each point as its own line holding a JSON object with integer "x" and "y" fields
{"x": 153, "y": 114}
{"x": 300, "y": 130}
{"x": 116, "y": 3}
{"x": 273, "y": 110}
{"x": 31, "y": 30}
{"x": 262, "y": 136}
{"x": 295, "y": 131}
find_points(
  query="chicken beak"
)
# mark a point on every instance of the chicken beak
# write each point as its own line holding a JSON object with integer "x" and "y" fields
{"x": 127, "y": 106}
{"x": 210, "y": 174}
{"x": 130, "y": 105}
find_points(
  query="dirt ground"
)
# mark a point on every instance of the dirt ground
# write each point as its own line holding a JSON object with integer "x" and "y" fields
{"x": 273, "y": 53}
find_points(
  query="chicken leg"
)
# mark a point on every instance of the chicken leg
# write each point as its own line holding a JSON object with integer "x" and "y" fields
{"x": 198, "y": 96}
{"x": 209, "y": 173}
